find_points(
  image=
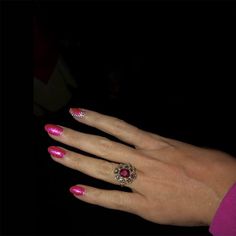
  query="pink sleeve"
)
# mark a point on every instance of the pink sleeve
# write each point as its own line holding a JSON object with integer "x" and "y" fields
{"x": 224, "y": 221}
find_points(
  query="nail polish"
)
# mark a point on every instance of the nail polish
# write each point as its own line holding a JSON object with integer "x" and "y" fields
{"x": 77, "y": 190}
{"x": 77, "y": 112}
{"x": 54, "y": 129}
{"x": 56, "y": 152}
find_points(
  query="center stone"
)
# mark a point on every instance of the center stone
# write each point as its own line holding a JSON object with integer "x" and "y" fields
{"x": 124, "y": 173}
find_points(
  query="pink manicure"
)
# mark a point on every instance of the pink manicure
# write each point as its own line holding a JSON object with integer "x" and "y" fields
{"x": 53, "y": 129}
{"x": 56, "y": 152}
{"x": 77, "y": 190}
{"x": 77, "y": 112}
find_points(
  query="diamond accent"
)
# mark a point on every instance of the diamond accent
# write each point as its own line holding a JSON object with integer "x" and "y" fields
{"x": 125, "y": 174}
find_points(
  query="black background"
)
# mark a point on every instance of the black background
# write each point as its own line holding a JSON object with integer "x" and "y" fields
{"x": 174, "y": 63}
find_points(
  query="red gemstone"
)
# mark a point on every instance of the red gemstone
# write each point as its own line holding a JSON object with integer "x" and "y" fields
{"x": 124, "y": 173}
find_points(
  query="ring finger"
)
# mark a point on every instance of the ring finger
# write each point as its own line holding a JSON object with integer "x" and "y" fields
{"x": 97, "y": 168}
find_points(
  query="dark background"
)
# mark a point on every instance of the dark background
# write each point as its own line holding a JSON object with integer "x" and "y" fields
{"x": 174, "y": 68}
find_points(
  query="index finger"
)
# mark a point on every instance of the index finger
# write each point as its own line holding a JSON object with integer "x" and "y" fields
{"x": 114, "y": 126}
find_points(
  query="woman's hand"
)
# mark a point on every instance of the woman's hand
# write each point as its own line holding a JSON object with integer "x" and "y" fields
{"x": 176, "y": 184}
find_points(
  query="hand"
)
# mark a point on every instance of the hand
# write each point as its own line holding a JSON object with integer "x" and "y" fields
{"x": 176, "y": 184}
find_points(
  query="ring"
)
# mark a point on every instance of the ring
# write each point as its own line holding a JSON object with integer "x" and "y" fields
{"x": 125, "y": 173}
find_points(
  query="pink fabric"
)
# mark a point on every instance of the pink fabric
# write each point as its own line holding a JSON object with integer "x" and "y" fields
{"x": 224, "y": 221}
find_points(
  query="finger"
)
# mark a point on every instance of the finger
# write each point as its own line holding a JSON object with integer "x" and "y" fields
{"x": 112, "y": 199}
{"x": 93, "y": 167}
{"x": 96, "y": 145}
{"x": 114, "y": 126}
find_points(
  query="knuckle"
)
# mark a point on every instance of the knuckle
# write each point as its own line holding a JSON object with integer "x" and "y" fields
{"x": 104, "y": 170}
{"x": 105, "y": 146}
{"x": 119, "y": 125}
{"x": 120, "y": 202}
{"x": 126, "y": 203}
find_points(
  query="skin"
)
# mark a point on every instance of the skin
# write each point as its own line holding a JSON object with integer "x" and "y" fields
{"x": 177, "y": 183}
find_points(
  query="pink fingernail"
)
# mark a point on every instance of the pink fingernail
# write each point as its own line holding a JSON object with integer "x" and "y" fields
{"x": 77, "y": 112}
{"x": 54, "y": 129}
{"x": 77, "y": 190}
{"x": 56, "y": 152}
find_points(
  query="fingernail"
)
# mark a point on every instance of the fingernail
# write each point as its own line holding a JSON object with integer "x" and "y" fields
{"x": 77, "y": 190}
{"x": 56, "y": 152}
{"x": 77, "y": 112}
{"x": 54, "y": 129}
